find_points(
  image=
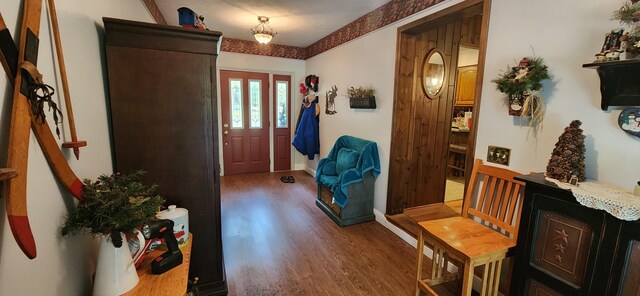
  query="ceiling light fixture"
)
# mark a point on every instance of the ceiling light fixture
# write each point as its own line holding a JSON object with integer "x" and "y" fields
{"x": 261, "y": 33}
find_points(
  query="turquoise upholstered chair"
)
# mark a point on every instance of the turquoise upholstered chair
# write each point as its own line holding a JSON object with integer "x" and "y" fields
{"x": 346, "y": 179}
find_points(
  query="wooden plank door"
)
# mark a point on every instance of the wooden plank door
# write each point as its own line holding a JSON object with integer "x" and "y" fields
{"x": 282, "y": 126}
{"x": 245, "y": 122}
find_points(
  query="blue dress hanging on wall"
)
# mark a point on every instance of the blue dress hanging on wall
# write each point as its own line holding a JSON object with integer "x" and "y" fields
{"x": 306, "y": 140}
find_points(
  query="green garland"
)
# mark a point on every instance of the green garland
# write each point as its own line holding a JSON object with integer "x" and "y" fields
{"x": 112, "y": 205}
{"x": 532, "y": 81}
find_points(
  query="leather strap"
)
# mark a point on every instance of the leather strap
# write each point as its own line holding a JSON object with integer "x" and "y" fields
{"x": 39, "y": 94}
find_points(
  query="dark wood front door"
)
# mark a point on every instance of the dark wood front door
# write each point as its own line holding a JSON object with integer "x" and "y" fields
{"x": 245, "y": 122}
{"x": 282, "y": 126}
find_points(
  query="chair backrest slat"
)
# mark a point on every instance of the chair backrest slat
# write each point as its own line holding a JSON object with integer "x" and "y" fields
{"x": 490, "y": 196}
{"x": 503, "y": 211}
{"x": 498, "y": 202}
{"x": 483, "y": 193}
{"x": 499, "y": 198}
{"x": 512, "y": 209}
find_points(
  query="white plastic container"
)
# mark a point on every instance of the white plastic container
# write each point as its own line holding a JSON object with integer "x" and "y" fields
{"x": 180, "y": 218}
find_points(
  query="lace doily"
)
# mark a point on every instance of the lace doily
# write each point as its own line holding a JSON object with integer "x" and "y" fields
{"x": 616, "y": 201}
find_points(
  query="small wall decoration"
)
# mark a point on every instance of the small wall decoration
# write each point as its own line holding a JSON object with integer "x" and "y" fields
{"x": 361, "y": 97}
{"x": 522, "y": 84}
{"x": 629, "y": 121}
{"x": 330, "y": 106}
{"x": 567, "y": 158}
{"x": 628, "y": 15}
{"x": 611, "y": 48}
{"x": 188, "y": 18}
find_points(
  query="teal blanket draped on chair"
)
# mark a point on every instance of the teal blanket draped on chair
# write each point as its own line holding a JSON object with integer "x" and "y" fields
{"x": 347, "y": 163}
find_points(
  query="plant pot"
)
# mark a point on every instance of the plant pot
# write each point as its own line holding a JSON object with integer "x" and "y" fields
{"x": 362, "y": 103}
{"x": 115, "y": 272}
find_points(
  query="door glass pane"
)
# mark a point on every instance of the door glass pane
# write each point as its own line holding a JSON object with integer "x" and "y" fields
{"x": 255, "y": 106}
{"x": 282, "y": 97}
{"x": 235, "y": 95}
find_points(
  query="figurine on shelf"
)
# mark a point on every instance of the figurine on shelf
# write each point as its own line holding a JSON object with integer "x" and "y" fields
{"x": 612, "y": 47}
{"x": 188, "y": 18}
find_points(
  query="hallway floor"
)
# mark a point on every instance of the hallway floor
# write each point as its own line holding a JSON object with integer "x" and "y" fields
{"x": 276, "y": 241}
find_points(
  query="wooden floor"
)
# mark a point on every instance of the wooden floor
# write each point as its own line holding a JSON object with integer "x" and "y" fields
{"x": 278, "y": 242}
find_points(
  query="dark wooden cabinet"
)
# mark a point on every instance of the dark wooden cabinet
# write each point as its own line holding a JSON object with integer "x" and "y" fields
{"x": 162, "y": 85}
{"x": 565, "y": 248}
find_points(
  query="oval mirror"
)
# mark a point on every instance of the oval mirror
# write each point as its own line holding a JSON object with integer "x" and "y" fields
{"x": 433, "y": 73}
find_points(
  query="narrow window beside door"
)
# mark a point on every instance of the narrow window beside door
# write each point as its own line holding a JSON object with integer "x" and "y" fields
{"x": 235, "y": 85}
{"x": 282, "y": 89}
{"x": 255, "y": 115}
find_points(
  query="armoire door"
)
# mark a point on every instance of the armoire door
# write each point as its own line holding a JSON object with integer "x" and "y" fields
{"x": 245, "y": 122}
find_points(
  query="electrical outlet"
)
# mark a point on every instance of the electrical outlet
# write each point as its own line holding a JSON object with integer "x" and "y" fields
{"x": 499, "y": 155}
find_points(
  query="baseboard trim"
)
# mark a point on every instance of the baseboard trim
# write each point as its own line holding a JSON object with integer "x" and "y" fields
{"x": 310, "y": 171}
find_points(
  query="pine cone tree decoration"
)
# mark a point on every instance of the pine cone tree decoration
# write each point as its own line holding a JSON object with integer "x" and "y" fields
{"x": 567, "y": 158}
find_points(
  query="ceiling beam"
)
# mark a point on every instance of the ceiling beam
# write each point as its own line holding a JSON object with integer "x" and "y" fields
{"x": 153, "y": 9}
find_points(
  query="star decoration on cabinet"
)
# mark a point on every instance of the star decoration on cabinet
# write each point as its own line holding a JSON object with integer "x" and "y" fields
{"x": 560, "y": 248}
{"x": 562, "y": 235}
{"x": 558, "y": 258}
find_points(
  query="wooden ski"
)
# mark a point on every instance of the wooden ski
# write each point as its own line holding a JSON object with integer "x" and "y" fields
{"x": 9, "y": 60}
{"x": 18, "y": 150}
{"x": 48, "y": 144}
{"x": 7, "y": 45}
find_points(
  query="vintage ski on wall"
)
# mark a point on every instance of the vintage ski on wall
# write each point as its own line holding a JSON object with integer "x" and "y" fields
{"x": 21, "y": 119}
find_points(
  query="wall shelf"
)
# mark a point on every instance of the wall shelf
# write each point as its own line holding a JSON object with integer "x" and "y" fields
{"x": 618, "y": 82}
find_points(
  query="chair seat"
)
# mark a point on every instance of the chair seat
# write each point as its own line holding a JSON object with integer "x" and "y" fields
{"x": 468, "y": 237}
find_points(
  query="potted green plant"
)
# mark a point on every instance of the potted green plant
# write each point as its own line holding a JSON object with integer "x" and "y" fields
{"x": 114, "y": 205}
{"x": 361, "y": 97}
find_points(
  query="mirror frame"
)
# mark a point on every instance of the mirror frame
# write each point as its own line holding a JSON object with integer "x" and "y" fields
{"x": 444, "y": 79}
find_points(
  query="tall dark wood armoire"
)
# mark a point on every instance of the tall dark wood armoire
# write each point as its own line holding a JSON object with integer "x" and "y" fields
{"x": 162, "y": 87}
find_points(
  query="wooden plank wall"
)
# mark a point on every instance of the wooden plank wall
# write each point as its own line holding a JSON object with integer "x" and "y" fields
{"x": 421, "y": 127}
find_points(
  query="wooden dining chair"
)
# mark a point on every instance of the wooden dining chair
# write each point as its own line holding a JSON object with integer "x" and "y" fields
{"x": 483, "y": 235}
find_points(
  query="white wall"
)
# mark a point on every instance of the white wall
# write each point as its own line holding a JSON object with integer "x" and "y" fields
{"x": 271, "y": 65}
{"x": 63, "y": 265}
{"x": 564, "y": 34}
{"x": 368, "y": 60}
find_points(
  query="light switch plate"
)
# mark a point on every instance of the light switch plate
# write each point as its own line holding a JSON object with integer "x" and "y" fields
{"x": 499, "y": 155}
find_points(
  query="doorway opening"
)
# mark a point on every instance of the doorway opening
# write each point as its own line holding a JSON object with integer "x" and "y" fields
{"x": 435, "y": 110}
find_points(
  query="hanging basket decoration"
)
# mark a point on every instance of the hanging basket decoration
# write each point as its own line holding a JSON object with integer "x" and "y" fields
{"x": 361, "y": 98}
{"x": 522, "y": 85}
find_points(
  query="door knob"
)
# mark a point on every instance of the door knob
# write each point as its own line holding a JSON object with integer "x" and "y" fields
{"x": 225, "y": 133}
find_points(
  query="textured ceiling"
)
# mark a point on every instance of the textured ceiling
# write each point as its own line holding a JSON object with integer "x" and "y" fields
{"x": 297, "y": 22}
